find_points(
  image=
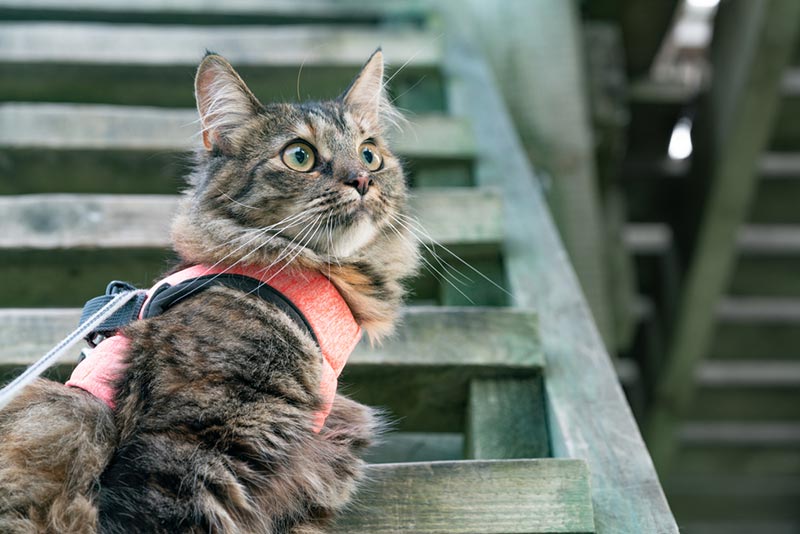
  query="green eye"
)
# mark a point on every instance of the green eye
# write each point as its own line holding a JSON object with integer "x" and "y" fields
{"x": 370, "y": 156}
{"x": 299, "y": 156}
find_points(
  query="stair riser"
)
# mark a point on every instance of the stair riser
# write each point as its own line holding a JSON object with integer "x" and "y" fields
{"x": 171, "y": 85}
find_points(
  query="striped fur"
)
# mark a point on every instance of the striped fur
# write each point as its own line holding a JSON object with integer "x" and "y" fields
{"x": 212, "y": 430}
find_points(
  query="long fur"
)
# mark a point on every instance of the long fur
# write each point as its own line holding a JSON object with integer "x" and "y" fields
{"x": 212, "y": 430}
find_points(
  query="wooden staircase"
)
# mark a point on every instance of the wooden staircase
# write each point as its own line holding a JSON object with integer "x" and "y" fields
{"x": 509, "y": 415}
{"x": 728, "y": 371}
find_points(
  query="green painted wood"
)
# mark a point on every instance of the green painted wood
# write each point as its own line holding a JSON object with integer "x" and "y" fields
{"x": 403, "y": 447}
{"x": 68, "y": 277}
{"x": 501, "y": 497}
{"x": 588, "y": 416}
{"x": 80, "y": 44}
{"x": 421, "y": 375}
{"x": 734, "y": 498}
{"x": 53, "y": 221}
{"x": 506, "y": 419}
{"x": 415, "y": 88}
{"x": 537, "y": 59}
{"x": 99, "y": 127}
{"x": 140, "y": 64}
{"x": 741, "y": 448}
{"x": 753, "y": 44}
{"x": 230, "y": 12}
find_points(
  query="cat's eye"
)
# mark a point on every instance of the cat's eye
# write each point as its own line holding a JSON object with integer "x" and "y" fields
{"x": 370, "y": 156}
{"x": 299, "y": 156}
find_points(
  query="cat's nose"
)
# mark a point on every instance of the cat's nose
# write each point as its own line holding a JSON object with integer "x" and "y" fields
{"x": 360, "y": 181}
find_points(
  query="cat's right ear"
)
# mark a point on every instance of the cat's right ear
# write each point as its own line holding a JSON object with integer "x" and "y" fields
{"x": 223, "y": 101}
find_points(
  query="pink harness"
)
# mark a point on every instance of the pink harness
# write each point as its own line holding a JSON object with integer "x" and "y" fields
{"x": 312, "y": 293}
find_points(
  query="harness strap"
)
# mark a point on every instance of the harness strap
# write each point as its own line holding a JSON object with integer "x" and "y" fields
{"x": 166, "y": 296}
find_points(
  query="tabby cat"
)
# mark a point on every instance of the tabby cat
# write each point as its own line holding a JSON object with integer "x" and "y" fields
{"x": 213, "y": 426}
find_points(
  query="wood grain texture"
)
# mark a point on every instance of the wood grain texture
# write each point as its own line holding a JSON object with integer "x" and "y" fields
{"x": 587, "y": 412}
{"x": 500, "y": 497}
{"x": 82, "y": 43}
{"x": 312, "y": 9}
{"x": 421, "y": 376}
{"x": 50, "y": 221}
{"x": 429, "y": 337}
{"x": 506, "y": 419}
{"x": 538, "y": 62}
{"x": 103, "y": 127}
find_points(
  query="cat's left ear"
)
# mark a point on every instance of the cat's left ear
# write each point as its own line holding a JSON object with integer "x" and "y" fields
{"x": 367, "y": 94}
{"x": 223, "y": 101}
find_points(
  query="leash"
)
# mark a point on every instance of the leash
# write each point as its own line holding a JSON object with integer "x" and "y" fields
{"x": 90, "y": 325}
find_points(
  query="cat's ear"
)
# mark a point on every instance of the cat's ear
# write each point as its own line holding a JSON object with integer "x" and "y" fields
{"x": 367, "y": 94}
{"x": 223, "y": 101}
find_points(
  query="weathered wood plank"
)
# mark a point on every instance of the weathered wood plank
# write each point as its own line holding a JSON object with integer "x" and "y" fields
{"x": 239, "y": 11}
{"x": 79, "y": 43}
{"x": 101, "y": 127}
{"x": 403, "y": 447}
{"x": 588, "y": 416}
{"x": 506, "y": 419}
{"x": 491, "y": 338}
{"x": 753, "y": 44}
{"x": 737, "y": 447}
{"x": 501, "y": 497}
{"x": 153, "y": 65}
{"x": 538, "y": 63}
{"x": 421, "y": 374}
{"x": 49, "y": 221}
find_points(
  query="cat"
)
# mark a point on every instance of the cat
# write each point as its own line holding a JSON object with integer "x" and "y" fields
{"x": 213, "y": 426}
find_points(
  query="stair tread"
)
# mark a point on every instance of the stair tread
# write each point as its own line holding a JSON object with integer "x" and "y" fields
{"x": 141, "y": 44}
{"x": 311, "y": 8}
{"x": 742, "y": 433}
{"x": 492, "y": 339}
{"x": 108, "y": 127}
{"x": 45, "y": 221}
{"x": 477, "y": 497}
{"x": 748, "y": 373}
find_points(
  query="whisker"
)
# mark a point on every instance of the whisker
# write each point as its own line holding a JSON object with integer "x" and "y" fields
{"x": 425, "y": 233}
{"x": 432, "y": 268}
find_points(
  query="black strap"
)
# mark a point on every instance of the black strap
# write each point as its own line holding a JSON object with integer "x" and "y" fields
{"x": 129, "y": 312}
{"x": 166, "y": 296}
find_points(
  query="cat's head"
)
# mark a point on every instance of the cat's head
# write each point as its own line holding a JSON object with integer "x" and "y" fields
{"x": 310, "y": 184}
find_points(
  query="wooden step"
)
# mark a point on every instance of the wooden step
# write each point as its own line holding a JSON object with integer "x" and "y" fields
{"x": 132, "y": 149}
{"x": 740, "y": 527}
{"x": 757, "y": 328}
{"x": 421, "y": 374}
{"x": 778, "y": 191}
{"x": 738, "y": 448}
{"x": 747, "y": 390}
{"x": 230, "y": 12}
{"x": 768, "y": 260}
{"x": 59, "y": 221}
{"x": 146, "y": 64}
{"x": 733, "y": 498}
{"x": 499, "y": 497}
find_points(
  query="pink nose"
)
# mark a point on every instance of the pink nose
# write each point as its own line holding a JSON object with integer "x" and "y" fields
{"x": 361, "y": 182}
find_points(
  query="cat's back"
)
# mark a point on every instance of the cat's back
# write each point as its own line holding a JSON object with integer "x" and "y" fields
{"x": 218, "y": 397}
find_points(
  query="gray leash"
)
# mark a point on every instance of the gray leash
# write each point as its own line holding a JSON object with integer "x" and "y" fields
{"x": 31, "y": 373}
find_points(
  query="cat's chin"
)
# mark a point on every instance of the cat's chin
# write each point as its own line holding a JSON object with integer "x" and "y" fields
{"x": 352, "y": 238}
